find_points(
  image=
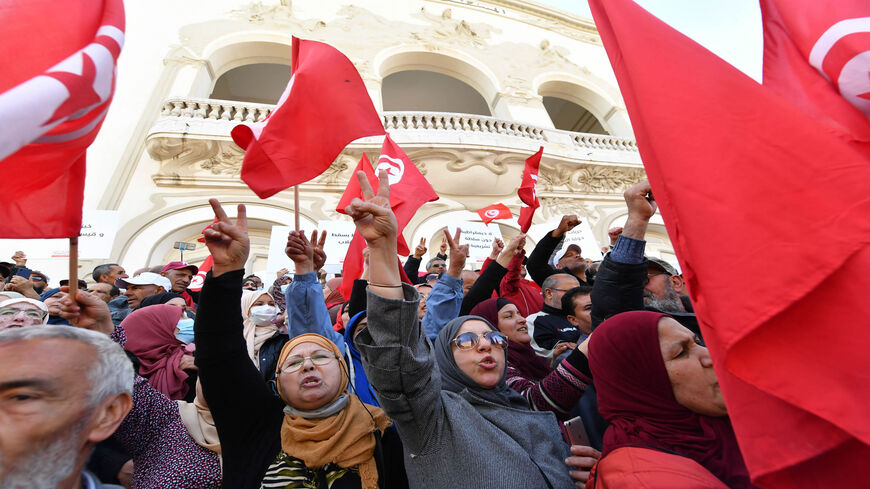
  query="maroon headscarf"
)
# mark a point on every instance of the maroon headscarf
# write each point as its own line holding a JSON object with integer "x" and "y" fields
{"x": 151, "y": 337}
{"x": 636, "y": 397}
{"x": 334, "y": 296}
{"x": 521, "y": 357}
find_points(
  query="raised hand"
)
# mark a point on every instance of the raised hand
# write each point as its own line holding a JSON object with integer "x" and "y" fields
{"x": 641, "y": 207}
{"x": 514, "y": 245}
{"x": 282, "y": 272}
{"x": 86, "y": 311}
{"x": 421, "y": 249}
{"x": 299, "y": 250}
{"x": 228, "y": 243}
{"x": 19, "y": 258}
{"x": 319, "y": 253}
{"x": 373, "y": 217}
{"x": 567, "y": 223}
{"x": 497, "y": 246}
{"x": 376, "y": 223}
{"x": 458, "y": 253}
{"x": 443, "y": 246}
{"x": 613, "y": 234}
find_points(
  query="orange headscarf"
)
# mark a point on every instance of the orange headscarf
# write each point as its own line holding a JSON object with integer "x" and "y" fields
{"x": 346, "y": 439}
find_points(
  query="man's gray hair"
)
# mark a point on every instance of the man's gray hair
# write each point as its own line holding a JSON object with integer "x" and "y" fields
{"x": 433, "y": 260}
{"x": 551, "y": 281}
{"x": 101, "y": 270}
{"x": 110, "y": 375}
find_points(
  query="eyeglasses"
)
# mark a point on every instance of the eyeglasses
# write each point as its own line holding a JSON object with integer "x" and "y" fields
{"x": 318, "y": 357}
{"x": 437, "y": 265}
{"x": 469, "y": 340}
{"x": 11, "y": 312}
{"x": 650, "y": 275}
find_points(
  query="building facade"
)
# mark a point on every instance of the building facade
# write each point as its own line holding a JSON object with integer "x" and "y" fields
{"x": 468, "y": 88}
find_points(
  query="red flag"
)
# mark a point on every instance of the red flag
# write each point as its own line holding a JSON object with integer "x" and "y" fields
{"x": 408, "y": 187}
{"x": 493, "y": 212}
{"x": 324, "y": 107}
{"x": 197, "y": 281}
{"x": 815, "y": 56}
{"x": 528, "y": 190}
{"x": 748, "y": 185}
{"x": 353, "y": 191}
{"x": 57, "y": 81}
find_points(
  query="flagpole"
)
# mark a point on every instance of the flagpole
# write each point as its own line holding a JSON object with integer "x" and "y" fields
{"x": 73, "y": 269}
{"x": 296, "y": 205}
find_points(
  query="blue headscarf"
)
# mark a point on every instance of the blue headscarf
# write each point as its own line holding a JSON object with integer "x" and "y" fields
{"x": 53, "y": 319}
{"x": 362, "y": 388}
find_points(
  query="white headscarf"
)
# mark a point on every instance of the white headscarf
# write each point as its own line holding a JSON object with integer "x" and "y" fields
{"x": 255, "y": 335}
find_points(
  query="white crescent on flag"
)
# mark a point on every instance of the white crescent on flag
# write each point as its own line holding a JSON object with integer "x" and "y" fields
{"x": 394, "y": 167}
{"x": 852, "y": 77}
{"x": 64, "y": 103}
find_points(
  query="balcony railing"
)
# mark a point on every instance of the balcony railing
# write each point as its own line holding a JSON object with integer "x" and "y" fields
{"x": 219, "y": 116}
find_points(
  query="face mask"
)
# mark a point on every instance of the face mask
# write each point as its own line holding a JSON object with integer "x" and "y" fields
{"x": 284, "y": 288}
{"x": 185, "y": 330}
{"x": 263, "y": 315}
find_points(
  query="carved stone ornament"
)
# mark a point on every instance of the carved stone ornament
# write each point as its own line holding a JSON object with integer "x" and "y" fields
{"x": 336, "y": 170}
{"x": 461, "y": 160}
{"x": 445, "y": 29}
{"x": 589, "y": 178}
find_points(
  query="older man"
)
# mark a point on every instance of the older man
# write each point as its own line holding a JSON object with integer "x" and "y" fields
{"x": 106, "y": 292}
{"x": 571, "y": 261}
{"x": 108, "y": 273}
{"x": 550, "y": 328}
{"x": 22, "y": 312}
{"x": 141, "y": 286}
{"x": 64, "y": 390}
{"x": 180, "y": 274}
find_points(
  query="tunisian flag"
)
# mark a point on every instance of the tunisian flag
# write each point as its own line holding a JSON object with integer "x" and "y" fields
{"x": 493, "y": 212}
{"x": 56, "y": 84}
{"x": 324, "y": 107}
{"x": 767, "y": 211}
{"x": 817, "y": 56}
{"x": 409, "y": 190}
{"x": 528, "y": 191}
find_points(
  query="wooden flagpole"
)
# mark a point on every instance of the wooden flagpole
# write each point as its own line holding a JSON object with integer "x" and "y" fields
{"x": 296, "y": 205}
{"x": 73, "y": 269}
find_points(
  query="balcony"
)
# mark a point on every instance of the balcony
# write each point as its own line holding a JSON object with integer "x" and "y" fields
{"x": 191, "y": 140}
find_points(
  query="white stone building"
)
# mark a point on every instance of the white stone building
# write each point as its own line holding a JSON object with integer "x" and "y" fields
{"x": 468, "y": 88}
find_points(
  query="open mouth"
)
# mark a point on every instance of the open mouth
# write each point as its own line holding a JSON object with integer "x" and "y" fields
{"x": 488, "y": 362}
{"x": 310, "y": 381}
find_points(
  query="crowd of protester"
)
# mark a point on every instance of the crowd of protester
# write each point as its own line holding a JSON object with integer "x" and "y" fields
{"x": 586, "y": 374}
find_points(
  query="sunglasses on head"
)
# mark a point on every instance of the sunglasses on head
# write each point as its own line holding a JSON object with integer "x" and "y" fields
{"x": 469, "y": 340}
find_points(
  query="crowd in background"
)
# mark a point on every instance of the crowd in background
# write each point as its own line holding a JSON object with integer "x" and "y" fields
{"x": 542, "y": 369}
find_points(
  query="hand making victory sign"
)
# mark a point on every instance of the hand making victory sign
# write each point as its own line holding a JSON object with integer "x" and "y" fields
{"x": 228, "y": 243}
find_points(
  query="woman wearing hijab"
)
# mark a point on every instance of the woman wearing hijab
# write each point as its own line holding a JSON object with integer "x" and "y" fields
{"x": 52, "y": 298}
{"x": 173, "y": 444}
{"x": 315, "y": 434}
{"x": 263, "y": 338}
{"x": 170, "y": 298}
{"x": 461, "y": 425}
{"x": 161, "y": 338}
{"x": 669, "y": 427}
{"x": 557, "y": 390}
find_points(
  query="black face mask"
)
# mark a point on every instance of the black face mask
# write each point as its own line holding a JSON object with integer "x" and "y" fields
{"x": 39, "y": 289}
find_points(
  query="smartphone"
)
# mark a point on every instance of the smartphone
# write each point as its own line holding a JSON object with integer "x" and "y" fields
{"x": 23, "y": 272}
{"x": 577, "y": 432}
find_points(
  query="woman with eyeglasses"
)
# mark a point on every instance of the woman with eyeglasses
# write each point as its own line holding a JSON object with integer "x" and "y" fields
{"x": 460, "y": 423}
{"x": 315, "y": 434}
{"x": 22, "y": 312}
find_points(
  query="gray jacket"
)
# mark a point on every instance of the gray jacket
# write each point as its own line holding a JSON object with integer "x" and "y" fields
{"x": 451, "y": 439}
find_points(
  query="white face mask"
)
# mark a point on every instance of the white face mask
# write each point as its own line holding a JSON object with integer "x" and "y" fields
{"x": 263, "y": 315}
{"x": 284, "y": 288}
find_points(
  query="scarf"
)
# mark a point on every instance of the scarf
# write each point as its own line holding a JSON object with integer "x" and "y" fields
{"x": 200, "y": 424}
{"x": 520, "y": 356}
{"x": 345, "y": 438}
{"x": 151, "y": 337}
{"x": 636, "y": 397}
{"x": 55, "y": 320}
{"x": 255, "y": 335}
{"x": 361, "y": 385}
{"x": 455, "y": 380}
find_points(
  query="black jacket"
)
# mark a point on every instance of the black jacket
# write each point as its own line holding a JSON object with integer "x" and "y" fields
{"x": 538, "y": 265}
{"x": 619, "y": 288}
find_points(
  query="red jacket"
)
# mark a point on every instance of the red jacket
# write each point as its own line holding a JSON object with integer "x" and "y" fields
{"x": 644, "y": 468}
{"x": 525, "y": 294}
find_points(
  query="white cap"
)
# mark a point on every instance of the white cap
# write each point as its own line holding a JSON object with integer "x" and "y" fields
{"x": 145, "y": 278}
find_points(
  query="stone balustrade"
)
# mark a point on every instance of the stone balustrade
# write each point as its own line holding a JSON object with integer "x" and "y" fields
{"x": 234, "y": 112}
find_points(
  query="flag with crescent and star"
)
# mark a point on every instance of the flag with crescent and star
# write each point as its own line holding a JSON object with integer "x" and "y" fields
{"x": 55, "y": 91}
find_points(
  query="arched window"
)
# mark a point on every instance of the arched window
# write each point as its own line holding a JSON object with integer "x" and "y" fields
{"x": 433, "y": 92}
{"x": 261, "y": 83}
{"x": 568, "y": 116}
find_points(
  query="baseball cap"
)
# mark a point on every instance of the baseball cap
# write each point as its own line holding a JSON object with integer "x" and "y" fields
{"x": 662, "y": 266}
{"x": 144, "y": 278}
{"x": 180, "y": 265}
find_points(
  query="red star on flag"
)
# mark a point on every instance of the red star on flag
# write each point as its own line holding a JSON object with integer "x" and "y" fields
{"x": 80, "y": 88}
